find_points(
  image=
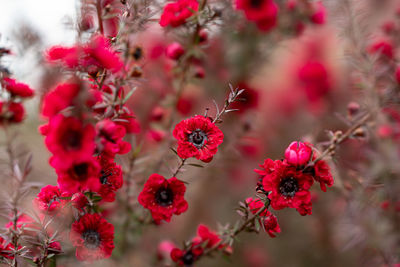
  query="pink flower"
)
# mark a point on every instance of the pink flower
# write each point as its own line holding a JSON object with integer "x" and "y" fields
{"x": 298, "y": 153}
{"x": 175, "y": 51}
{"x": 319, "y": 14}
{"x": 176, "y": 13}
{"x": 16, "y": 88}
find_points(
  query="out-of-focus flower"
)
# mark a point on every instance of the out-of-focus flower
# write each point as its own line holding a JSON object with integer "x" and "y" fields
{"x": 263, "y": 12}
{"x": 176, "y": 13}
{"x": 198, "y": 137}
{"x": 382, "y": 47}
{"x": 79, "y": 175}
{"x": 95, "y": 55}
{"x": 175, "y": 51}
{"x": 110, "y": 136}
{"x": 93, "y": 237}
{"x": 208, "y": 237}
{"x": 163, "y": 197}
{"x": 16, "y": 88}
{"x": 59, "y": 98}
{"x": 319, "y": 14}
{"x": 68, "y": 138}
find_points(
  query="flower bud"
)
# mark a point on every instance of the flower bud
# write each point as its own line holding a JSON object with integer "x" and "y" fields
{"x": 175, "y": 51}
{"x": 298, "y": 153}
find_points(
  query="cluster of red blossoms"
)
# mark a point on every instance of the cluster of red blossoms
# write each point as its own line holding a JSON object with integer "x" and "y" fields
{"x": 177, "y": 13}
{"x": 12, "y": 94}
{"x": 84, "y": 133}
{"x": 264, "y": 13}
{"x": 197, "y": 137}
{"x": 287, "y": 182}
{"x": 205, "y": 239}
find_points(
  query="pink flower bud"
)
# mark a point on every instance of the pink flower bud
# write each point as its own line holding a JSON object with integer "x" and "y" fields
{"x": 298, "y": 153}
{"x": 175, "y": 51}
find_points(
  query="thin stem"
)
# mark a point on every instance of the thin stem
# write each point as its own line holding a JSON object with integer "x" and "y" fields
{"x": 99, "y": 16}
{"x": 179, "y": 167}
{"x": 342, "y": 137}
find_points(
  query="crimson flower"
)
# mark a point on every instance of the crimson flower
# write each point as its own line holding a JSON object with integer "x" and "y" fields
{"x": 16, "y": 88}
{"x": 289, "y": 187}
{"x": 207, "y": 236}
{"x": 69, "y": 138}
{"x": 15, "y": 113}
{"x": 187, "y": 257}
{"x": 263, "y": 12}
{"x": 110, "y": 179}
{"x": 176, "y": 13}
{"x": 110, "y": 136}
{"x": 49, "y": 199}
{"x": 91, "y": 57}
{"x": 163, "y": 197}
{"x": 198, "y": 137}
{"x": 79, "y": 174}
{"x": 93, "y": 237}
{"x": 6, "y": 249}
{"x": 322, "y": 174}
{"x": 271, "y": 225}
{"x": 59, "y": 98}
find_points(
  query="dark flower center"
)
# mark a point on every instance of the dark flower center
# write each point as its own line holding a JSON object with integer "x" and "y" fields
{"x": 138, "y": 53}
{"x": 288, "y": 187}
{"x": 71, "y": 140}
{"x": 91, "y": 239}
{"x": 164, "y": 196}
{"x": 188, "y": 258}
{"x": 256, "y": 3}
{"x": 80, "y": 171}
{"x": 197, "y": 138}
{"x": 104, "y": 176}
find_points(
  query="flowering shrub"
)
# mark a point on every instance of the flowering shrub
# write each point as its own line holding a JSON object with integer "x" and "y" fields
{"x": 155, "y": 121}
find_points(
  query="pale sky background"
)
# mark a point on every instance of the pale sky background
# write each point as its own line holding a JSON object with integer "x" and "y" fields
{"x": 48, "y": 17}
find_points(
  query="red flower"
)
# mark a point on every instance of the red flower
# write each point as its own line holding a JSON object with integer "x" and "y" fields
{"x": 187, "y": 257}
{"x": 110, "y": 137}
{"x": 319, "y": 14}
{"x": 163, "y": 197}
{"x": 271, "y": 225}
{"x": 49, "y": 199}
{"x": 288, "y": 187}
{"x": 208, "y": 237}
{"x": 93, "y": 237}
{"x": 6, "y": 249}
{"x": 263, "y": 12}
{"x": 255, "y": 205}
{"x": 322, "y": 174}
{"x": 79, "y": 175}
{"x": 176, "y": 13}
{"x": 175, "y": 51}
{"x": 110, "y": 179}
{"x": 298, "y": 154}
{"x": 16, "y": 112}
{"x": 17, "y": 89}
{"x": 69, "y": 138}
{"x": 129, "y": 122}
{"x": 315, "y": 79}
{"x": 95, "y": 55}
{"x": 59, "y": 98}
{"x": 382, "y": 47}
{"x": 198, "y": 137}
